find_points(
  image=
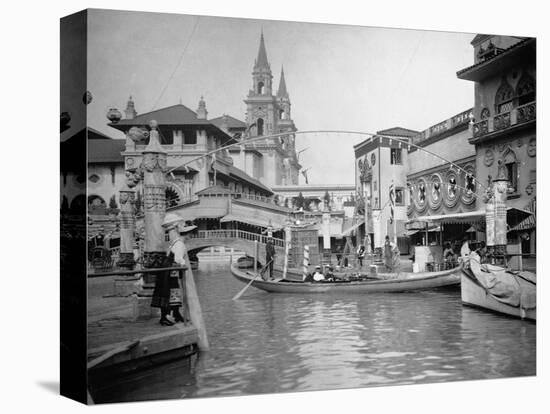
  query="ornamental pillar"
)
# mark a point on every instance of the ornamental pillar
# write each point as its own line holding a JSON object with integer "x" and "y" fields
{"x": 154, "y": 200}
{"x": 495, "y": 214}
{"x": 127, "y": 217}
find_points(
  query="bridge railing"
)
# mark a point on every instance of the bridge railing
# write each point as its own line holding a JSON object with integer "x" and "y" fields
{"x": 236, "y": 234}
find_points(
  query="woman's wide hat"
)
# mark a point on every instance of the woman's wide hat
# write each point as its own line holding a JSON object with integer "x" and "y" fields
{"x": 172, "y": 220}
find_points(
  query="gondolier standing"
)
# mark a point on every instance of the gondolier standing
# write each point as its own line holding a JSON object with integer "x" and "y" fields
{"x": 269, "y": 257}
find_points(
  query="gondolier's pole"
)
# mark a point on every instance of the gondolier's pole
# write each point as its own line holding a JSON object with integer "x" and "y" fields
{"x": 255, "y": 256}
{"x": 305, "y": 266}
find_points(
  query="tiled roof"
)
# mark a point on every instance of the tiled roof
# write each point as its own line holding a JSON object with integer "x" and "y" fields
{"x": 231, "y": 122}
{"x": 214, "y": 189}
{"x": 106, "y": 150}
{"x": 171, "y": 115}
{"x": 398, "y": 132}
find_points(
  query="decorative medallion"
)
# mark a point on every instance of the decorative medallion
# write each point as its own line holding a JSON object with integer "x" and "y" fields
{"x": 469, "y": 185}
{"x": 94, "y": 178}
{"x": 129, "y": 162}
{"x": 420, "y": 199}
{"x": 501, "y": 146}
{"x": 373, "y": 159}
{"x": 489, "y": 158}
{"x": 451, "y": 191}
{"x": 435, "y": 196}
{"x": 532, "y": 147}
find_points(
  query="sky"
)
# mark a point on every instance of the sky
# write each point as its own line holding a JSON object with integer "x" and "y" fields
{"x": 338, "y": 77}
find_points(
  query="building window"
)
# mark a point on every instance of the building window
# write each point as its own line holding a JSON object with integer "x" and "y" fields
{"x": 261, "y": 88}
{"x": 190, "y": 138}
{"x": 512, "y": 172}
{"x": 399, "y": 196}
{"x": 525, "y": 90}
{"x": 395, "y": 156}
{"x": 504, "y": 98}
{"x": 260, "y": 126}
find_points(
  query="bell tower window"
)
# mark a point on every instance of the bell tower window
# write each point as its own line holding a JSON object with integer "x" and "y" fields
{"x": 261, "y": 88}
{"x": 260, "y": 126}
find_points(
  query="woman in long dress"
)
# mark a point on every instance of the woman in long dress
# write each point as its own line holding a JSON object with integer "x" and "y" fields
{"x": 168, "y": 294}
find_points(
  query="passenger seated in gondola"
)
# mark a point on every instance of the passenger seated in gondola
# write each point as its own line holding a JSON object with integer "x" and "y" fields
{"x": 318, "y": 276}
{"x": 308, "y": 278}
{"x": 449, "y": 256}
{"x": 482, "y": 251}
{"x": 329, "y": 275}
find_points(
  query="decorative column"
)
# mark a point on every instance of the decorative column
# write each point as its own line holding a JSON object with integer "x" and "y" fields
{"x": 377, "y": 233}
{"x": 127, "y": 198}
{"x": 154, "y": 199}
{"x": 495, "y": 214}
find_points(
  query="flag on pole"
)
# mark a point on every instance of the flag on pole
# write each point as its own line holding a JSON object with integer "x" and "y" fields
{"x": 392, "y": 202}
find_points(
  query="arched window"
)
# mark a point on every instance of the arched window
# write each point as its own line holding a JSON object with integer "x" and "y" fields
{"x": 504, "y": 98}
{"x": 260, "y": 126}
{"x": 282, "y": 114}
{"x": 172, "y": 197}
{"x": 510, "y": 162}
{"x": 96, "y": 205}
{"x": 525, "y": 91}
{"x": 260, "y": 88}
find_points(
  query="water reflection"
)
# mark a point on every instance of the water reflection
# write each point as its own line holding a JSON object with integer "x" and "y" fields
{"x": 266, "y": 343}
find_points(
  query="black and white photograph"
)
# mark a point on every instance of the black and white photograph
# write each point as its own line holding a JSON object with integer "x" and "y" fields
{"x": 267, "y": 207}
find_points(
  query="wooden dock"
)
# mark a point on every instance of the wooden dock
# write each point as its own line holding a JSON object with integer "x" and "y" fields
{"x": 118, "y": 343}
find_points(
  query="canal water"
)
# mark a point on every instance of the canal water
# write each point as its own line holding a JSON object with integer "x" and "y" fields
{"x": 268, "y": 343}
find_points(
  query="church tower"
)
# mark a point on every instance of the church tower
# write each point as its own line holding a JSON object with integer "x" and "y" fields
{"x": 130, "y": 110}
{"x": 267, "y": 114}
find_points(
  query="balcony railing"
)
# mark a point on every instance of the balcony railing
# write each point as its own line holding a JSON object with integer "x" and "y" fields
{"x": 506, "y": 120}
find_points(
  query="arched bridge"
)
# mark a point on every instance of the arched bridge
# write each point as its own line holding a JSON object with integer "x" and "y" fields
{"x": 239, "y": 240}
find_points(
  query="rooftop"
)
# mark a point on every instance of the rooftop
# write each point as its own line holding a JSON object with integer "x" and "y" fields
{"x": 505, "y": 58}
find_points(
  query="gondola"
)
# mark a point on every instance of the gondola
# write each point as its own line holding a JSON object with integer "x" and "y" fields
{"x": 498, "y": 289}
{"x": 398, "y": 282}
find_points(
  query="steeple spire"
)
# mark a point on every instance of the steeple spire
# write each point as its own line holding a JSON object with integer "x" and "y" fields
{"x": 261, "y": 60}
{"x": 282, "y": 92}
{"x": 130, "y": 110}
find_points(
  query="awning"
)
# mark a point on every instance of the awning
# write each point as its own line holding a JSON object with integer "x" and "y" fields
{"x": 531, "y": 221}
{"x": 513, "y": 216}
{"x": 255, "y": 221}
{"x": 352, "y": 228}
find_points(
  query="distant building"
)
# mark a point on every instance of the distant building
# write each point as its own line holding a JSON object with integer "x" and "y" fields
{"x": 186, "y": 135}
{"x": 273, "y": 161}
{"x": 95, "y": 187}
{"x": 504, "y": 72}
{"x": 379, "y": 163}
{"x": 341, "y": 197}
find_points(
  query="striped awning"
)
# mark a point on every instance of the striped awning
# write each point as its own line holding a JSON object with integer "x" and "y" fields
{"x": 531, "y": 221}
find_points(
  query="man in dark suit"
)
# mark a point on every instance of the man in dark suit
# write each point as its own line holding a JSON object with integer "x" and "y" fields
{"x": 269, "y": 256}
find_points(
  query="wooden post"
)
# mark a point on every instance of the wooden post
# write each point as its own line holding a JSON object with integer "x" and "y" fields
{"x": 195, "y": 311}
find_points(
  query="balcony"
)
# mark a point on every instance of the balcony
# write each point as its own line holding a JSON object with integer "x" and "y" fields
{"x": 506, "y": 120}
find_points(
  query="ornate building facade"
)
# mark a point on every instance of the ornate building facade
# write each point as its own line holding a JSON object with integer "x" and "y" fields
{"x": 504, "y": 128}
